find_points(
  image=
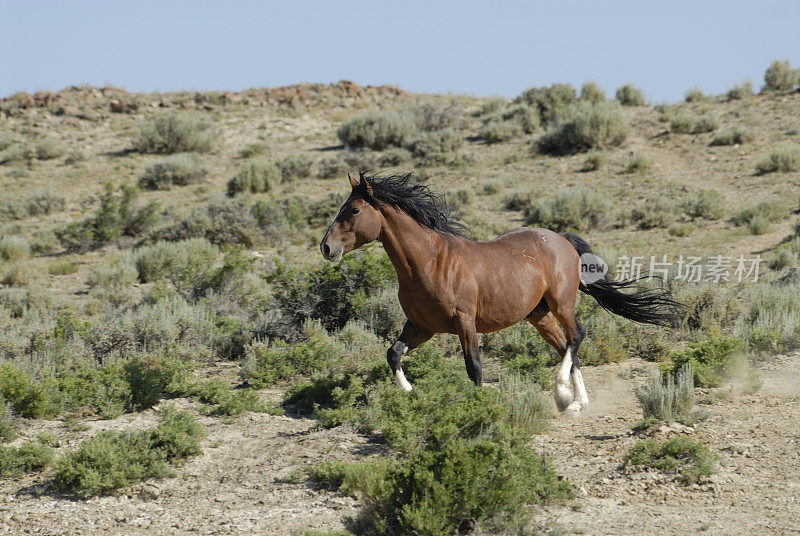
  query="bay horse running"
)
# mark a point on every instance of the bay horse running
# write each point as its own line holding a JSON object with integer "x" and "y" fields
{"x": 451, "y": 284}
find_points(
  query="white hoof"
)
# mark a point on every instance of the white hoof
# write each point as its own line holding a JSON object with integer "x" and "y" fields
{"x": 573, "y": 410}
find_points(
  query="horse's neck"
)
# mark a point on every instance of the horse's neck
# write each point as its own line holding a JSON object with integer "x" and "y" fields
{"x": 411, "y": 247}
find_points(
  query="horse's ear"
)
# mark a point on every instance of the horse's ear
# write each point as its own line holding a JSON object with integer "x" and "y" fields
{"x": 365, "y": 183}
{"x": 353, "y": 182}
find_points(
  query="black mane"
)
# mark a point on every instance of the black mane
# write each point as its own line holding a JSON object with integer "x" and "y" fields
{"x": 417, "y": 200}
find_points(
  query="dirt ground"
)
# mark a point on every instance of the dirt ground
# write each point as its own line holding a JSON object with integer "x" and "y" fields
{"x": 755, "y": 490}
{"x": 240, "y": 484}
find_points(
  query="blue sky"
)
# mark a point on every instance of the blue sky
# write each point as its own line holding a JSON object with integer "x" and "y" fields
{"x": 493, "y": 47}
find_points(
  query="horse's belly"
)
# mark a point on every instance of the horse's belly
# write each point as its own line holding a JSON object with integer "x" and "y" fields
{"x": 508, "y": 298}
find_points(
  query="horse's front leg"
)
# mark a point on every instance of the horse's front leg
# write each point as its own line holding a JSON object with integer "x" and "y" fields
{"x": 468, "y": 335}
{"x": 410, "y": 338}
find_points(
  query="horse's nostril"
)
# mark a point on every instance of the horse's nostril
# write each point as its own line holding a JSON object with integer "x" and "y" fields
{"x": 326, "y": 250}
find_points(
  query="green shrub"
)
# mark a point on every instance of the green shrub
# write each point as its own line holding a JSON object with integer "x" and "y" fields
{"x": 222, "y": 400}
{"x": 255, "y": 176}
{"x": 654, "y": 213}
{"x": 785, "y": 158}
{"x": 694, "y": 94}
{"x": 266, "y": 363}
{"x": 712, "y": 360}
{"x": 628, "y": 95}
{"x": 16, "y": 153}
{"x": 253, "y": 149}
{"x": 640, "y": 163}
{"x": 6, "y": 141}
{"x": 496, "y": 131}
{"x": 590, "y": 127}
{"x": 680, "y": 455}
{"x": 25, "y": 395}
{"x": 178, "y": 262}
{"x": 576, "y": 208}
{"x": 758, "y": 217}
{"x": 112, "y": 460}
{"x": 28, "y": 457}
{"x": 116, "y": 216}
{"x": 680, "y": 229}
{"x": 593, "y": 93}
{"x": 436, "y": 115}
{"x": 427, "y": 144}
{"x": 44, "y": 202}
{"x": 594, "y": 161}
{"x": 553, "y": 103}
{"x": 175, "y": 170}
{"x": 733, "y": 136}
{"x": 331, "y": 293}
{"x": 489, "y": 107}
{"x": 8, "y": 430}
{"x": 528, "y": 408}
{"x": 780, "y": 76}
{"x": 705, "y": 204}
{"x": 74, "y": 157}
{"x": 394, "y": 157}
{"x": 173, "y": 132}
{"x": 14, "y": 248}
{"x": 113, "y": 281}
{"x": 741, "y": 91}
{"x": 376, "y": 130}
{"x": 381, "y": 312}
{"x": 295, "y": 166}
{"x": 460, "y": 462}
{"x": 758, "y": 225}
{"x": 47, "y": 149}
{"x": 221, "y": 221}
{"x": 768, "y": 319}
{"x": 684, "y": 124}
{"x": 668, "y": 398}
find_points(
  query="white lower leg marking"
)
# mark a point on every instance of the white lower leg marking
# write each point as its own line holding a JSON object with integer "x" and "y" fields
{"x": 562, "y": 393}
{"x": 580, "y": 389}
{"x": 400, "y": 379}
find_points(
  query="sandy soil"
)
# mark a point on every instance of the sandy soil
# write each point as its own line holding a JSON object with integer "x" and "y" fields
{"x": 756, "y": 437}
{"x": 238, "y": 486}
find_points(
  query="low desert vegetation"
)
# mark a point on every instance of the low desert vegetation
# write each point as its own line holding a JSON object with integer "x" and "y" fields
{"x": 116, "y": 300}
{"x": 683, "y": 456}
{"x": 780, "y": 76}
{"x": 733, "y": 136}
{"x": 113, "y": 460}
{"x": 784, "y": 158}
{"x": 572, "y": 209}
{"x": 178, "y": 169}
{"x": 669, "y": 397}
{"x": 172, "y": 132}
{"x": 629, "y": 95}
{"x": 694, "y": 94}
{"x": 591, "y": 126}
{"x": 593, "y": 93}
{"x": 741, "y": 91}
{"x": 683, "y": 124}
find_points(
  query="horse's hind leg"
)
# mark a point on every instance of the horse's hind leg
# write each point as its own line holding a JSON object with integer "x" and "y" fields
{"x": 551, "y": 332}
{"x": 410, "y": 338}
{"x": 564, "y": 312}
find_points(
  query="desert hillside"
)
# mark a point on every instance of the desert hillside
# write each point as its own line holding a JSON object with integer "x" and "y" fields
{"x": 176, "y": 357}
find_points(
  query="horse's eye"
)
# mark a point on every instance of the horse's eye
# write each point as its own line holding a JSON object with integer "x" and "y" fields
{"x": 355, "y": 210}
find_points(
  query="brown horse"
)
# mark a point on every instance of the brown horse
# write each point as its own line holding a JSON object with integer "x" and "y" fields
{"x": 451, "y": 284}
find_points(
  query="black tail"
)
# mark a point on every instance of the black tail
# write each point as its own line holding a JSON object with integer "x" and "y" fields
{"x": 648, "y": 306}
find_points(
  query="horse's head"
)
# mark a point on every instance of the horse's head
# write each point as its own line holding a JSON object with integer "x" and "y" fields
{"x": 358, "y": 222}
